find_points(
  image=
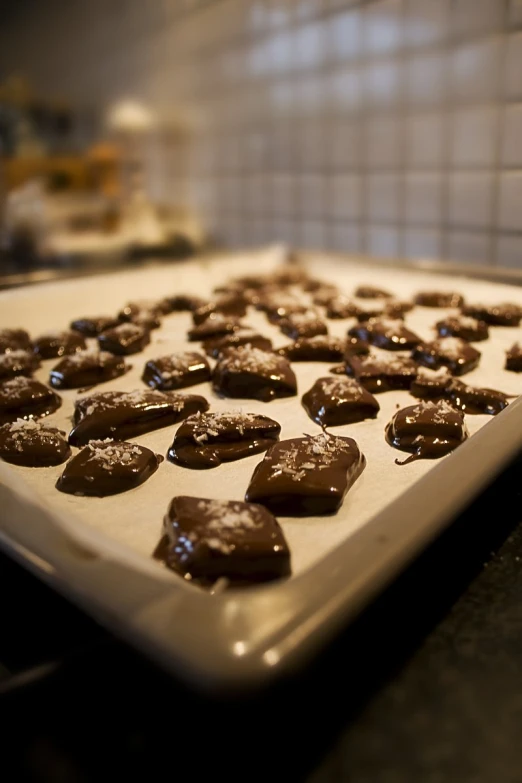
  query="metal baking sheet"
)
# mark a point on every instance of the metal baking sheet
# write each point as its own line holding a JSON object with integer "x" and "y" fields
{"x": 98, "y": 550}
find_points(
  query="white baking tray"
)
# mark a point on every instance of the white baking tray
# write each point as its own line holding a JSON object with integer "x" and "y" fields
{"x": 97, "y": 551}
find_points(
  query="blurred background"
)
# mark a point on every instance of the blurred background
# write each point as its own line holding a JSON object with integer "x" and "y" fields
{"x": 386, "y": 127}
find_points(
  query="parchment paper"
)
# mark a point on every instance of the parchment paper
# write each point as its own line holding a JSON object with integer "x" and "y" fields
{"x": 134, "y": 519}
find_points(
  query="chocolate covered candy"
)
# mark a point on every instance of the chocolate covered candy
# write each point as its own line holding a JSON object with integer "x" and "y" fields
{"x": 18, "y": 362}
{"x": 354, "y": 346}
{"x": 145, "y": 307}
{"x": 251, "y": 373}
{"x": 386, "y": 333}
{"x": 14, "y": 340}
{"x": 321, "y": 348}
{"x": 341, "y": 307}
{"x": 216, "y": 325}
{"x": 86, "y": 368}
{"x": 221, "y": 345}
{"x": 280, "y": 305}
{"x": 324, "y": 295}
{"x": 371, "y": 292}
{"x": 439, "y": 299}
{"x": 184, "y": 302}
{"x": 306, "y": 476}
{"x": 55, "y": 344}
{"x": 176, "y": 371}
{"x": 123, "y": 415}
{"x": 25, "y": 398}
{"x": 506, "y": 314}
{"x": 463, "y": 326}
{"x": 33, "y": 444}
{"x": 431, "y": 384}
{"x": 428, "y": 430}
{"x": 382, "y": 373}
{"x": 207, "y": 540}
{"x": 457, "y": 355}
{"x": 107, "y": 467}
{"x": 307, "y": 324}
{"x": 514, "y": 358}
{"x": 208, "y": 439}
{"x": 475, "y": 400}
{"x": 92, "y": 327}
{"x": 233, "y": 305}
{"x": 124, "y": 340}
{"x": 342, "y": 400}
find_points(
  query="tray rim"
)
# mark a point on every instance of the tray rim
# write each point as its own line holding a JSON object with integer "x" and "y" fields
{"x": 241, "y": 639}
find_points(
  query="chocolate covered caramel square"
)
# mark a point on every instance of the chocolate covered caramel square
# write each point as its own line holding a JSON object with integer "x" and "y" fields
{"x": 14, "y": 340}
{"x": 307, "y": 476}
{"x": 514, "y": 358}
{"x": 428, "y": 430}
{"x": 307, "y": 324}
{"x": 251, "y": 373}
{"x": 33, "y": 444}
{"x": 390, "y": 334}
{"x": 381, "y": 373}
{"x": 86, "y": 368}
{"x": 505, "y": 314}
{"x": 321, "y": 348}
{"x": 18, "y": 362}
{"x": 52, "y": 345}
{"x": 107, "y": 467}
{"x": 122, "y": 415}
{"x": 333, "y": 401}
{"x": 208, "y": 439}
{"x": 463, "y": 326}
{"x": 124, "y": 339}
{"x": 92, "y": 326}
{"x": 207, "y": 540}
{"x": 176, "y": 371}
{"x": 221, "y": 345}
{"x": 457, "y": 355}
{"x": 25, "y": 398}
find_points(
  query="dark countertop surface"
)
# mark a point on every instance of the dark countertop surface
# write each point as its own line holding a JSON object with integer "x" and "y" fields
{"x": 426, "y": 687}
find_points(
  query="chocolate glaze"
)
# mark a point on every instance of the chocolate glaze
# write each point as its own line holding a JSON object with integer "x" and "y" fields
{"x": 335, "y": 401}
{"x": 370, "y": 292}
{"x": 431, "y": 384}
{"x": 123, "y": 415}
{"x": 389, "y": 334}
{"x": 251, "y": 373}
{"x": 86, "y": 369}
{"x": 206, "y": 440}
{"x": 341, "y": 307}
{"x": 278, "y": 305}
{"x": 322, "y": 348}
{"x": 216, "y": 325}
{"x": 463, "y": 326}
{"x": 514, "y": 358}
{"x": 14, "y": 340}
{"x": 33, "y": 444}
{"x": 124, "y": 340}
{"x": 382, "y": 373}
{"x": 209, "y": 540}
{"x": 307, "y": 324}
{"x": 25, "y": 398}
{"x": 306, "y": 476}
{"x": 506, "y": 314}
{"x": 184, "y": 302}
{"x": 107, "y": 467}
{"x": 176, "y": 371}
{"x": 222, "y": 345}
{"x": 91, "y": 327}
{"x": 439, "y": 299}
{"x": 429, "y": 430}
{"x": 232, "y": 305}
{"x": 18, "y": 362}
{"x": 457, "y": 355}
{"x": 471, "y": 399}
{"x": 55, "y": 344}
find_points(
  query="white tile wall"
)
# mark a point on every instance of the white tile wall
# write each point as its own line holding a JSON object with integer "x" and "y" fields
{"x": 381, "y": 126}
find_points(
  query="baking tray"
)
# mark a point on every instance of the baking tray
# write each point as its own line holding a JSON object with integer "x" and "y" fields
{"x": 242, "y": 637}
